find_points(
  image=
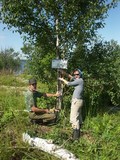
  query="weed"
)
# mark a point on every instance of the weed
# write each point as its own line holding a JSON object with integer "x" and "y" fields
{"x": 100, "y": 136}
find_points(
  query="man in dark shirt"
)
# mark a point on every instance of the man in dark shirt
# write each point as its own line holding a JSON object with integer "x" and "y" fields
{"x": 35, "y": 112}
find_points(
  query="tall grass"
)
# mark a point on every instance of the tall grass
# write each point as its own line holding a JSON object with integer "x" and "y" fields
{"x": 100, "y": 137}
{"x": 14, "y": 122}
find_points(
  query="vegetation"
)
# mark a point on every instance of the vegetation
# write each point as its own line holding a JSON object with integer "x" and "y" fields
{"x": 41, "y": 21}
{"x": 9, "y": 61}
{"x": 99, "y": 138}
{"x": 74, "y": 24}
{"x": 101, "y": 73}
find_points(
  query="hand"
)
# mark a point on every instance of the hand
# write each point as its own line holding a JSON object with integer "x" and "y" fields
{"x": 53, "y": 110}
{"x": 61, "y": 79}
{"x": 58, "y": 94}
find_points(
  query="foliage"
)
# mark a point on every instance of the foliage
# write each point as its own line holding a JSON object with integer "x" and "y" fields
{"x": 39, "y": 63}
{"x": 12, "y": 80}
{"x": 14, "y": 121}
{"x": 77, "y": 20}
{"x": 100, "y": 65}
{"x": 9, "y": 61}
{"x": 99, "y": 138}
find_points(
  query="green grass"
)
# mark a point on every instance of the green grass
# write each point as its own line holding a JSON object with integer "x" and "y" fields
{"x": 11, "y": 80}
{"x": 100, "y": 139}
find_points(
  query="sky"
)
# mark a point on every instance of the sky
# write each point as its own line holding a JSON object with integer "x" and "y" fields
{"x": 8, "y": 39}
{"x": 112, "y": 26}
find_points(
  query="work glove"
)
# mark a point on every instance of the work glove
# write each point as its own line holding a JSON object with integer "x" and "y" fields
{"x": 53, "y": 110}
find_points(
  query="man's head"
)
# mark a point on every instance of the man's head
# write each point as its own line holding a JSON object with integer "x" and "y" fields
{"x": 32, "y": 84}
{"x": 77, "y": 73}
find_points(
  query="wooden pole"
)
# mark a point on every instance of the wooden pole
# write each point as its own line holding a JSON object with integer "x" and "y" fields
{"x": 58, "y": 56}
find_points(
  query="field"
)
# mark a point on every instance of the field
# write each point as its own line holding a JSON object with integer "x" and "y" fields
{"x": 100, "y": 136}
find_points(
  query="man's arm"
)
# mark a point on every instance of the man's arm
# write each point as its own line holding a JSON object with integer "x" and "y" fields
{"x": 52, "y": 94}
{"x": 39, "y": 110}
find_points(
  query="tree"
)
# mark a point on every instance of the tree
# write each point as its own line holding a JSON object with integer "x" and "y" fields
{"x": 39, "y": 63}
{"x": 100, "y": 63}
{"x": 78, "y": 20}
{"x": 9, "y": 61}
{"x": 70, "y": 22}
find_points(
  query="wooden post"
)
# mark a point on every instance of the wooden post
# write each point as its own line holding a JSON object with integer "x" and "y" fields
{"x": 58, "y": 56}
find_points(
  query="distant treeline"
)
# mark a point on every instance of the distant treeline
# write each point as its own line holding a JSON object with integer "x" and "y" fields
{"x": 9, "y": 61}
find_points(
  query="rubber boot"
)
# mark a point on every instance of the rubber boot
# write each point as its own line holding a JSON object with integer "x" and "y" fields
{"x": 76, "y": 134}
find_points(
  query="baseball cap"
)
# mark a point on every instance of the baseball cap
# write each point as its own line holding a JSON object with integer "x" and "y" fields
{"x": 32, "y": 81}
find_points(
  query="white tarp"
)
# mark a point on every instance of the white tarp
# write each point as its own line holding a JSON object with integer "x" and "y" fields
{"x": 49, "y": 147}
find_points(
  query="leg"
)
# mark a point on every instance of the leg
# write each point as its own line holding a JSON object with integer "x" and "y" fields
{"x": 75, "y": 117}
{"x": 42, "y": 117}
{"x": 48, "y": 117}
{"x": 75, "y": 113}
{"x": 80, "y": 117}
